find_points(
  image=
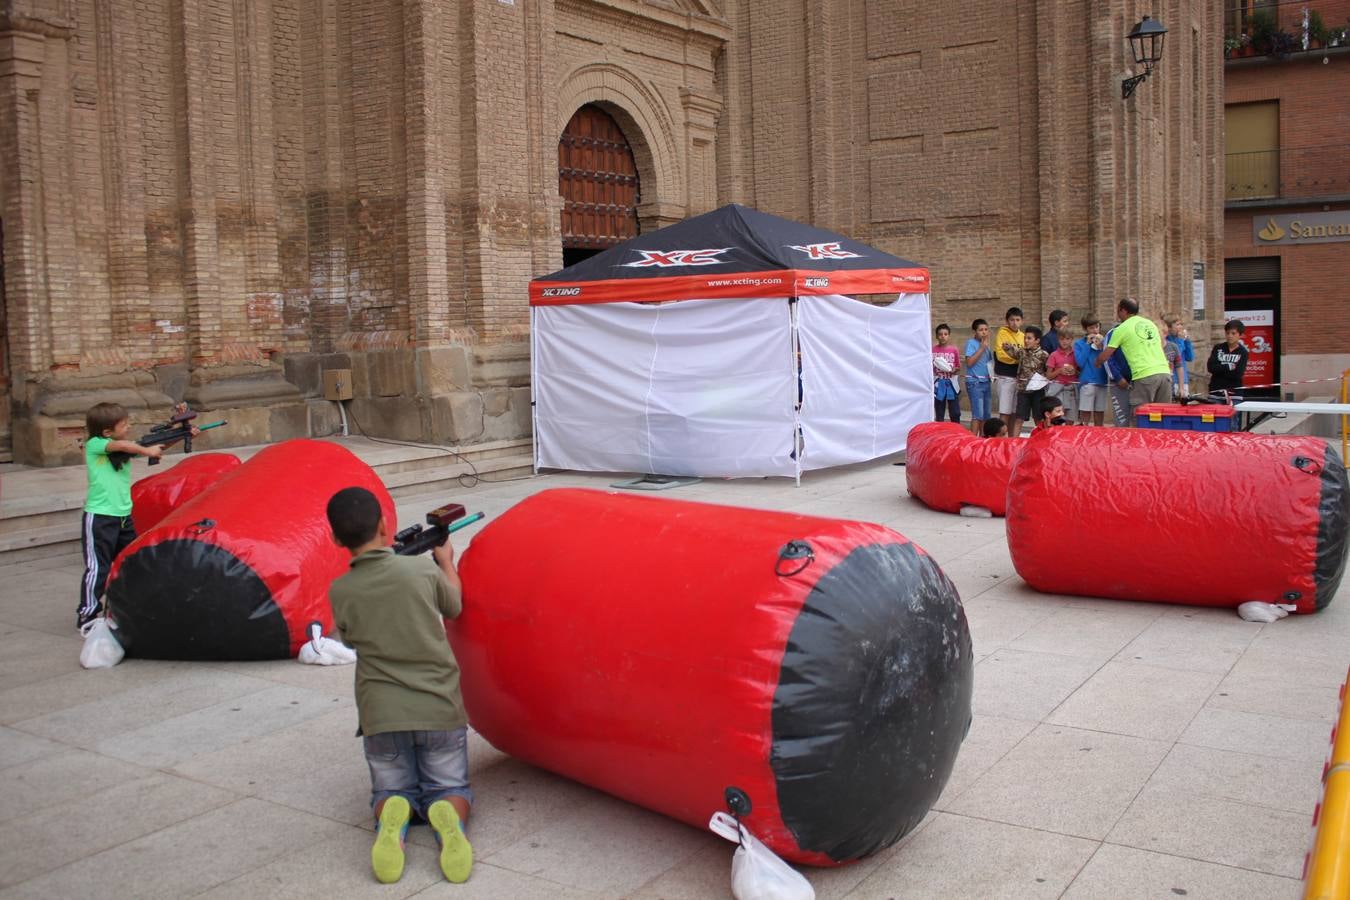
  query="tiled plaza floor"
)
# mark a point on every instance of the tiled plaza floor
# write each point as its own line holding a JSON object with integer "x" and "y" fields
{"x": 1118, "y": 750}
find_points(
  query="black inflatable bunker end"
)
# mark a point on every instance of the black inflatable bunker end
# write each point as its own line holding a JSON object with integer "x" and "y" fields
{"x": 185, "y": 599}
{"x": 872, "y": 703}
{"x": 1333, "y": 527}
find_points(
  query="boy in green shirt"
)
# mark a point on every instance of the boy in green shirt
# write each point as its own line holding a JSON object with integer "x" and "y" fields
{"x": 105, "y": 528}
{"x": 392, "y": 610}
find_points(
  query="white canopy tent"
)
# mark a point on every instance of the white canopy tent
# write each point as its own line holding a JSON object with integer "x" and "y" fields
{"x": 737, "y": 382}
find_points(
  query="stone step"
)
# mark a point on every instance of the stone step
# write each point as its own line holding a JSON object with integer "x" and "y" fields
{"x": 41, "y": 555}
{"x": 447, "y": 477}
{"x": 413, "y": 459}
{"x": 46, "y": 522}
{"x": 66, "y": 537}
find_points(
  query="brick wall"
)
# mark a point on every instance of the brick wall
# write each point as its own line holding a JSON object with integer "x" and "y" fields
{"x": 1314, "y": 119}
{"x": 990, "y": 142}
{"x": 213, "y": 201}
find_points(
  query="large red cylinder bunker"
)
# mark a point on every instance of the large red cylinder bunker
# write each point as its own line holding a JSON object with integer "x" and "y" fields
{"x": 240, "y": 570}
{"x": 155, "y": 497}
{"x": 1185, "y": 517}
{"x": 947, "y": 467}
{"x": 665, "y": 651}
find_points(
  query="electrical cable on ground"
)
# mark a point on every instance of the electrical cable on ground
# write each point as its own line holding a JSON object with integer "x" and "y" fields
{"x": 474, "y": 478}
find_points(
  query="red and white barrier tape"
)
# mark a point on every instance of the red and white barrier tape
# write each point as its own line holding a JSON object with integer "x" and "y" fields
{"x": 1245, "y": 387}
{"x": 1248, "y": 387}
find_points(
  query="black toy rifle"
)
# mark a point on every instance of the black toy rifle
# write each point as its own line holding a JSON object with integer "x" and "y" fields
{"x": 178, "y": 428}
{"x": 441, "y": 523}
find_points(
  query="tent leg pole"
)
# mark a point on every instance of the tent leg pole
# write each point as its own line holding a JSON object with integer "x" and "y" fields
{"x": 801, "y": 396}
{"x": 534, "y": 392}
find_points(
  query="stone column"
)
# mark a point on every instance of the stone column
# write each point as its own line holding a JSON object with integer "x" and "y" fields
{"x": 827, "y": 128}
{"x": 118, "y": 52}
{"x": 510, "y": 213}
{"x": 225, "y": 180}
{"x": 194, "y": 46}
{"x": 510, "y": 164}
{"x": 320, "y": 34}
{"x": 26, "y": 287}
{"x": 701, "y": 110}
{"x": 1063, "y": 108}
{"x": 259, "y": 212}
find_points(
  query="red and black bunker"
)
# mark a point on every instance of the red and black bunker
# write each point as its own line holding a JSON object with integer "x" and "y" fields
{"x": 1180, "y": 516}
{"x": 154, "y": 497}
{"x": 240, "y": 571}
{"x": 816, "y": 671}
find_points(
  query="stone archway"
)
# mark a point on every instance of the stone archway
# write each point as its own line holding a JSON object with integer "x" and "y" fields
{"x": 599, "y": 183}
{"x": 647, "y": 126}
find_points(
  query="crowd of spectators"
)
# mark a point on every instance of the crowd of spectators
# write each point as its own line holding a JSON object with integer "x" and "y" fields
{"x": 1013, "y": 376}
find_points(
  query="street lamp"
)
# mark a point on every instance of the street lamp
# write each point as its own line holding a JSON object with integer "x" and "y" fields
{"x": 1146, "y": 42}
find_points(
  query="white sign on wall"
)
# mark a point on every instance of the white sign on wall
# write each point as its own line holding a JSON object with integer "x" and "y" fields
{"x": 1198, "y": 290}
{"x": 1302, "y": 228}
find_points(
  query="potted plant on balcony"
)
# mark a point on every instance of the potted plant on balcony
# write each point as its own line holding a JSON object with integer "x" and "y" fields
{"x": 1261, "y": 26}
{"x": 1282, "y": 43}
{"x": 1237, "y": 47}
{"x": 1317, "y": 31}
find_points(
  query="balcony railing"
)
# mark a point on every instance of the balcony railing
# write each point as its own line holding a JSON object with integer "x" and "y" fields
{"x": 1252, "y": 176}
{"x": 1266, "y": 28}
{"x": 1290, "y": 173}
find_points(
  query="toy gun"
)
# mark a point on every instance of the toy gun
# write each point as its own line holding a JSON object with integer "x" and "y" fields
{"x": 441, "y": 523}
{"x": 178, "y": 428}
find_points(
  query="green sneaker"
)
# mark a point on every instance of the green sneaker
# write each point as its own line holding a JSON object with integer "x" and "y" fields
{"x": 456, "y": 854}
{"x": 386, "y": 857}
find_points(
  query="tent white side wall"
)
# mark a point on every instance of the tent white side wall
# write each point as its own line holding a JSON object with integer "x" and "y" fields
{"x": 709, "y": 387}
{"x": 867, "y": 376}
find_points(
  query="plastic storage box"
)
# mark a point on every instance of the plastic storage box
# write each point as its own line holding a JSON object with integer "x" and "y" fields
{"x": 1179, "y": 417}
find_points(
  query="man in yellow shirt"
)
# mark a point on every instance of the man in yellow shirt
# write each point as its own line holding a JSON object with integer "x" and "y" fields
{"x": 1005, "y": 367}
{"x": 1142, "y": 343}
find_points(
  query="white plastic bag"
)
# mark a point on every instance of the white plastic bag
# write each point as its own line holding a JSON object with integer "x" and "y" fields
{"x": 101, "y": 648}
{"x": 1260, "y": 611}
{"x": 756, "y": 872}
{"x": 322, "y": 651}
{"x": 975, "y": 512}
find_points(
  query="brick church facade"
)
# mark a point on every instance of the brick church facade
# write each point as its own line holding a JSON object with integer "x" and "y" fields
{"x": 217, "y": 201}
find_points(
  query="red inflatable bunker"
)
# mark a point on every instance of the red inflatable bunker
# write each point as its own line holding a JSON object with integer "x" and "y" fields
{"x": 1182, "y": 517}
{"x": 240, "y": 570}
{"x": 155, "y": 497}
{"x": 947, "y": 467}
{"x": 666, "y": 652}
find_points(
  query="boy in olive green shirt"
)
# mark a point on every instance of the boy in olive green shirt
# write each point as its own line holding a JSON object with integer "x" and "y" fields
{"x": 391, "y": 610}
{"x": 105, "y": 527}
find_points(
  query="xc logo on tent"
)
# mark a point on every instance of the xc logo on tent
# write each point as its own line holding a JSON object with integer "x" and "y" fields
{"x": 668, "y": 258}
{"x": 831, "y": 250}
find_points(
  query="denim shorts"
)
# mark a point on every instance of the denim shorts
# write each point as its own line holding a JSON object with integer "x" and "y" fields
{"x": 978, "y": 391}
{"x": 424, "y": 766}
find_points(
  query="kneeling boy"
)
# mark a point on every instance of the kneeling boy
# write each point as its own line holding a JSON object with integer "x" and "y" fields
{"x": 391, "y": 610}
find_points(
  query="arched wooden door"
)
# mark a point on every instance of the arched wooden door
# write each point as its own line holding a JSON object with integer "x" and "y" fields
{"x": 598, "y": 180}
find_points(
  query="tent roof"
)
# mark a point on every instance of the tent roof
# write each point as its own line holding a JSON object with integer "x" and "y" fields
{"x": 732, "y": 252}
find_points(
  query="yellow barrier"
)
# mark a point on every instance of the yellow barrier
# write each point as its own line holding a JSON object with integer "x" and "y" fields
{"x": 1345, "y": 420}
{"x": 1328, "y": 871}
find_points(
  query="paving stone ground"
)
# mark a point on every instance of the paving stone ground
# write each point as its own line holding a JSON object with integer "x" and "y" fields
{"x": 1118, "y": 750}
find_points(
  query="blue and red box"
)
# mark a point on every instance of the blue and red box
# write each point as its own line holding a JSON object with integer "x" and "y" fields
{"x": 1179, "y": 417}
